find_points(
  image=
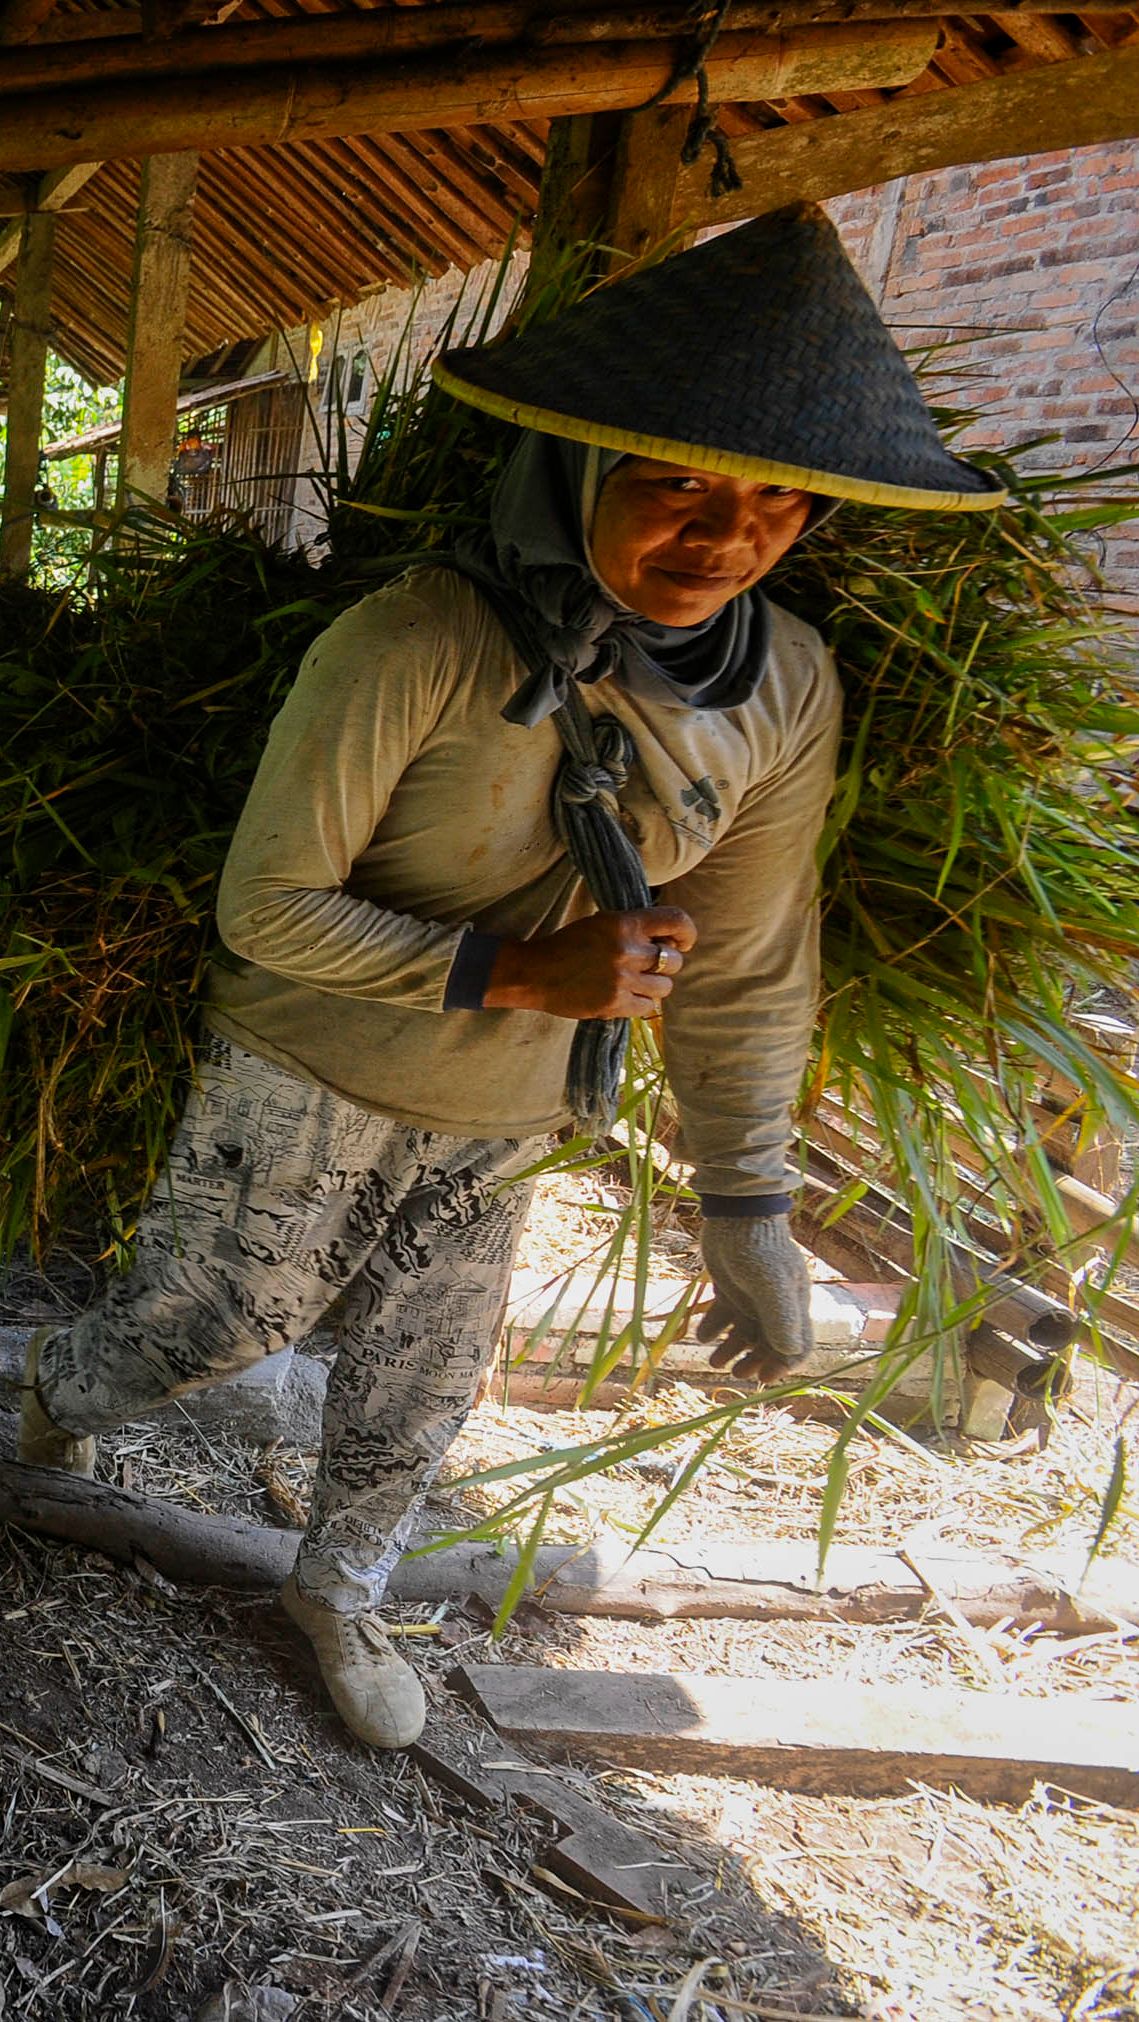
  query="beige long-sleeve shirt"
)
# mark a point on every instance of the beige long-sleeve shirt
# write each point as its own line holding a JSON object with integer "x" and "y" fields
{"x": 394, "y": 808}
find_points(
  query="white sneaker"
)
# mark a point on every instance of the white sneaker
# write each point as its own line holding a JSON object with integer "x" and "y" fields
{"x": 378, "y": 1696}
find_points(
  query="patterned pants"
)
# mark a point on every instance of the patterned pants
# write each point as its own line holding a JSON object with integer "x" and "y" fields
{"x": 280, "y": 1198}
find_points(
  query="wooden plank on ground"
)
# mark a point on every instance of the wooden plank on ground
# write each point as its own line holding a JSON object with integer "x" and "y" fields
{"x": 605, "y": 1860}
{"x": 746, "y": 1578}
{"x": 817, "y": 1735}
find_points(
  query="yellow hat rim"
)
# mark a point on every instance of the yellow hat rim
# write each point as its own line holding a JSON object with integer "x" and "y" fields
{"x": 698, "y": 456}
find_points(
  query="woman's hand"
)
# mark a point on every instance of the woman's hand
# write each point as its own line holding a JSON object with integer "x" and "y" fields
{"x": 612, "y": 965}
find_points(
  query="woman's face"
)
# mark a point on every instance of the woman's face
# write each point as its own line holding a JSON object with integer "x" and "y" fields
{"x": 677, "y": 544}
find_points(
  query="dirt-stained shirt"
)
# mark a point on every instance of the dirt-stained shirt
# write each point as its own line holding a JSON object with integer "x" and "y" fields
{"x": 394, "y": 808}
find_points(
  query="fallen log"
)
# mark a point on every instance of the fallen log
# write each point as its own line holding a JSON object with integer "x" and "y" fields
{"x": 749, "y": 1579}
{"x": 816, "y": 1735}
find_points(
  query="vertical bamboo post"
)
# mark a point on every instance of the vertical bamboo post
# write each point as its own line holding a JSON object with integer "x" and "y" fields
{"x": 646, "y": 166}
{"x": 610, "y": 178}
{"x": 30, "y": 327}
{"x": 159, "y": 293}
{"x": 574, "y": 192}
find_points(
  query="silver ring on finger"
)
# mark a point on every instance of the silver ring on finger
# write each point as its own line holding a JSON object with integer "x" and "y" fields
{"x": 660, "y": 965}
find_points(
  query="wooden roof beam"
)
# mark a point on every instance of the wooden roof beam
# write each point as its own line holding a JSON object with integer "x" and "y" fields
{"x": 1083, "y": 103}
{"x": 489, "y": 151}
{"x": 75, "y": 47}
{"x": 47, "y": 129}
{"x": 374, "y": 209}
{"x": 412, "y": 245}
{"x": 527, "y": 139}
{"x": 21, "y": 19}
{"x": 324, "y": 262}
{"x": 1038, "y": 35}
{"x": 239, "y": 293}
{"x": 52, "y": 193}
{"x": 454, "y": 226}
{"x": 466, "y": 191}
{"x": 424, "y": 222}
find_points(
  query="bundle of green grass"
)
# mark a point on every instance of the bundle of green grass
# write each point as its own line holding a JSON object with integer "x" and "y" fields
{"x": 979, "y": 866}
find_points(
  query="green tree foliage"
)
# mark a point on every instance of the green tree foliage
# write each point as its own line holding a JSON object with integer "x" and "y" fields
{"x": 71, "y": 407}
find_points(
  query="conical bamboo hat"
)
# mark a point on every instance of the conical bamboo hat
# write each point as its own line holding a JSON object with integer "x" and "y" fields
{"x": 758, "y": 354}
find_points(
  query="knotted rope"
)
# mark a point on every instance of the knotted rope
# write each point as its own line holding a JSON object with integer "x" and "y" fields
{"x": 703, "y": 130}
{"x": 587, "y": 815}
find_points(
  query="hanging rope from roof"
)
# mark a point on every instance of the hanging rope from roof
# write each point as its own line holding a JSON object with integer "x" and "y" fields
{"x": 703, "y": 130}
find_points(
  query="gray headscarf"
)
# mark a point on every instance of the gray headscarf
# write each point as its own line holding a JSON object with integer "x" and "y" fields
{"x": 533, "y": 563}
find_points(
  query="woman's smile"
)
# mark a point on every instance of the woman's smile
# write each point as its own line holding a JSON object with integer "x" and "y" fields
{"x": 676, "y": 544}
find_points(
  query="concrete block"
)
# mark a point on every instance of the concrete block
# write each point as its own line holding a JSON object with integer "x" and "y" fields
{"x": 279, "y": 1398}
{"x": 985, "y": 1406}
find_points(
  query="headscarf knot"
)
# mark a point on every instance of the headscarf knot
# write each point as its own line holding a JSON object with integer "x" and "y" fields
{"x": 533, "y": 564}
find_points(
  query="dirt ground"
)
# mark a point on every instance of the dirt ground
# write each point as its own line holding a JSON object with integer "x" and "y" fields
{"x": 179, "y": 1810}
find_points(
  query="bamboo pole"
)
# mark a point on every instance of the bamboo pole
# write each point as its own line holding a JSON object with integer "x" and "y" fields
{"x": 455, "y": 233}
{"x": 362, "y": 37}
{"x": 20, "y": 19}
{"x": 159, "y": 293}
{"x": 1112, "y": 1309}
{"x": 583, "y": 19}
{"x": 31, "y": 314}
{"x": 486, "y": 212}
{"x": 1089, "y": 101}
{"x": 105, "y": 46}
{"x": 573, "y": 194}
{"x": 645, "y": 175}
{"x": 310, "y": 102}
{"x": 1015, "y": 1307}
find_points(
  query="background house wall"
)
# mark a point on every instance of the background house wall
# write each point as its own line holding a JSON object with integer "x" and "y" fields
{"x": 357, "y": 344}
{"x": 1034, "y": 264}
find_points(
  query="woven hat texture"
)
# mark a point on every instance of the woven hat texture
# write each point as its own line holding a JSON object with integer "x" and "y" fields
{"x": 758, "y": 354}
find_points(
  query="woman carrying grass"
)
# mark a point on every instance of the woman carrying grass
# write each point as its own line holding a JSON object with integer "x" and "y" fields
{"x": 574, "y": 776}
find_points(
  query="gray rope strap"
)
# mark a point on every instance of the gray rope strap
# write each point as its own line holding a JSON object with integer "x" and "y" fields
{"x": 587, "y": 816}
{"x": 598, "y": 754}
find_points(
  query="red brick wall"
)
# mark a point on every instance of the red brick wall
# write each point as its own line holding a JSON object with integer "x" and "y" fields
{"x": 1034, "y": 263}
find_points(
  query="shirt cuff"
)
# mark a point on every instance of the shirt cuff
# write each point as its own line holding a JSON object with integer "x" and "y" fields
{"x": 738, "y": 1207}
{"x": 469, "y": 977}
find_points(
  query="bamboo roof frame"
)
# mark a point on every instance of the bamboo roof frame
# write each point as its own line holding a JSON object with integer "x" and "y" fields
{"x": 374, "y": 143}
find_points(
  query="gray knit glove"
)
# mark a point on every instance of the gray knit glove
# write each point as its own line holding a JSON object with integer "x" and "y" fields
{"x": 761, "y": 1296}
